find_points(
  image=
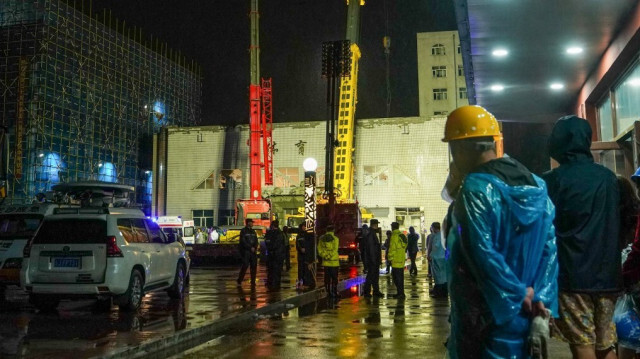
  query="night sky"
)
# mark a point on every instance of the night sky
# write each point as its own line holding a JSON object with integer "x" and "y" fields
{"x": 215, "y": 34}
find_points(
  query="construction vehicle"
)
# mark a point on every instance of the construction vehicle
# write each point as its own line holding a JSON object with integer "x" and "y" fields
{"x": 260, "y": 127}
{"x": 338, "y": 205}
{"x": 260, "y": 141}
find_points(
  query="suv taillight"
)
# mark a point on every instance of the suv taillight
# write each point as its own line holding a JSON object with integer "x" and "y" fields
{"x": 112, "y": 247}
{"x": 26, "y": 251}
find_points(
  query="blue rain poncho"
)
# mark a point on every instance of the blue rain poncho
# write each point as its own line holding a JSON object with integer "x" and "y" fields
{"x": 438, "y": 263}
{"x": 502, "y": 241}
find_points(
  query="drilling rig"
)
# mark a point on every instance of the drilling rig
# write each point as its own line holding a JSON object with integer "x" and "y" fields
{"x": 260, "y": 135}
{"x": 338, "y": 205}
{"x": 260, "y": 157}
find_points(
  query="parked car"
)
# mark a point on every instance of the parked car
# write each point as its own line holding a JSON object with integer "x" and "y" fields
{"x": 18, "y": 224}
{"x": 108, "y": 253}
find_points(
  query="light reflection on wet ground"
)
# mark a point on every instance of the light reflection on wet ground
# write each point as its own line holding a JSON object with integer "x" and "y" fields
{"x": 354, "y": 327}
{"x": 77, "y": 330}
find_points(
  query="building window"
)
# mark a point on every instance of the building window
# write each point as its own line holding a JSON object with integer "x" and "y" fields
{"x": 376, "y": 175}
{"x": 230, "y": 179}
{"x": 462, "y": 93}
{"x": 439, "y": 71}
{"x": 460, "y": 70}
{"x": 606, "y": 120}
{"x": 437, "y": 49}
{"x": 439, "y": 94}
{"x": 287, "y": 177}
{"x": 207, "y": 183}
{"x": 440, "y": 113}
{"x": 627, "y": 93}
{"x": 202, "y": 217}
{"x": 459, "y": 49}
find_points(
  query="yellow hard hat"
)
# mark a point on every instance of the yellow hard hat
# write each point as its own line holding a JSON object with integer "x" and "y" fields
{"x": 470, "y": 121}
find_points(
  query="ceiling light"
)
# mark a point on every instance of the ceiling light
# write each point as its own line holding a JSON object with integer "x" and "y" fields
{"x": 556, "y": 86}
{"x": 497, "y": 88}
{"x": 574, "y": 50}
{"x": 635, "y": 82}
{"x": 500, "y": 53}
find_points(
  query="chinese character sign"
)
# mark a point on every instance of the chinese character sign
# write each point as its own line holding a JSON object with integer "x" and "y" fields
{"x": 310, "y": 201}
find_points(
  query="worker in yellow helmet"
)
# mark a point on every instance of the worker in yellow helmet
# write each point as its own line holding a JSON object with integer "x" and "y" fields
{"x": 503, "y": 264}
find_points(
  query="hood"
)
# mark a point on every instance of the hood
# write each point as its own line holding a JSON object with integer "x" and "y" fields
{"x": 527, "y": 203}
{"x": 328, "y": 237}
{"x": 570, "y": 140}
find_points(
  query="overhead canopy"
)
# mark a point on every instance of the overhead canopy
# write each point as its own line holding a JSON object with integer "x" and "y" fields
{"x": 537, "y": 36}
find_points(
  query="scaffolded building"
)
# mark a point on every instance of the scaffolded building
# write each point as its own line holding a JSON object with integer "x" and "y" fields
{"x": 82, "y": 96}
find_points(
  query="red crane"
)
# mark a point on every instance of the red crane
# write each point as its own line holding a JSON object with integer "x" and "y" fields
{"x": 260, "y": 126}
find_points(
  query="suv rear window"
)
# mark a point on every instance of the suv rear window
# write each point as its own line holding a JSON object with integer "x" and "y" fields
{"x": 19, "y": 225}
{"x": 72, "y": 231}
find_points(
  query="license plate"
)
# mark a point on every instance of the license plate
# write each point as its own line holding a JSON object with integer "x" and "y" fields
{"x": 66, "y": 262}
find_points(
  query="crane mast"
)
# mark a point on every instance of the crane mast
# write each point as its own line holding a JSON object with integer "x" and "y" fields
{"x": 260, "y": 134}
{"x": 261, "y": 122}
{"x": 343, "y": 157}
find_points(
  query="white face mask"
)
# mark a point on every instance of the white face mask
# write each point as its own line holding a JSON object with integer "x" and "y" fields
{"x": 445, "y": 195}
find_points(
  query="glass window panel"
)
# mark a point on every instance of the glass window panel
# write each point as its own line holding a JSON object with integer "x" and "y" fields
{"x": 628, "y": 100}
{"x": 606, "y": 124}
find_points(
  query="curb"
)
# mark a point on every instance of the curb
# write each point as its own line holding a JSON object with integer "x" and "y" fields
{"x": 188, "y": 338}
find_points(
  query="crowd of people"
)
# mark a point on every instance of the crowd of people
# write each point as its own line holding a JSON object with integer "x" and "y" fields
{"x": 513, "y": 248}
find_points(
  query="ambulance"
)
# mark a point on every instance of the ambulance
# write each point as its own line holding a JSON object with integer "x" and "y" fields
{"x": 174, "y": 225}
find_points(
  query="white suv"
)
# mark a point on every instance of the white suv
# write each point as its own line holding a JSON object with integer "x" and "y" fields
{"x": 104, "y": 253}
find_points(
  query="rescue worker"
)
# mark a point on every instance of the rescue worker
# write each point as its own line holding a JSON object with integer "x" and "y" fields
{"x": 397, "y": 254}
{"x": 328, "y": 250}
{"x": 360, "y": 243}
{"x": 287, "y": 258}
{"x": 387, "y": 244}
{"x": 502, "y": 265}
{"x": 372, "y": 258}
{"x": 438, "y": 262}
{"x": 300, "y": 249}
{"x": 276, "y": 247}
{"x": 310, "y": 259}
{"x": 412, "y": 250}
{"x": 429, "y": 250}
{"x": 248, "y": 247}
{"x": 587, "y": 220}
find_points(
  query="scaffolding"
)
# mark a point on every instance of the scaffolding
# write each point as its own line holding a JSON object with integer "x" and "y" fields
{"x": 83, "y": 94}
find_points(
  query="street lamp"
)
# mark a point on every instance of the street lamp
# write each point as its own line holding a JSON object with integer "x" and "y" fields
{"x": 310, "y": 165}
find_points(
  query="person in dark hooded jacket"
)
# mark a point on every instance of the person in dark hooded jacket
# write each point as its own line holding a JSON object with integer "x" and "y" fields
{"x": 586, "y": 196}
{"x": 372, "y": 257}
{"x": 276, "y": 243}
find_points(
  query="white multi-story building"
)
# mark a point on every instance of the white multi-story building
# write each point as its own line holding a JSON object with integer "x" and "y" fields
{"x": 400, "y": 168}
{"x": 441, "y": 81}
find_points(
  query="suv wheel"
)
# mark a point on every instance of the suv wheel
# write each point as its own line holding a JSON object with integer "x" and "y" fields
{"x": 132, "y": 298}
{"x": 177, "y": 289}
{"x": 44, "y": 303}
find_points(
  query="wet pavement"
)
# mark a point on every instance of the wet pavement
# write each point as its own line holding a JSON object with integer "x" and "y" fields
{"x": 354, "y": 327}
{"x": 78, "y": 330}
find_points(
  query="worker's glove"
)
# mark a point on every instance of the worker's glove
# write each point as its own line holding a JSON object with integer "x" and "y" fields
{"x": 539, "y": 337}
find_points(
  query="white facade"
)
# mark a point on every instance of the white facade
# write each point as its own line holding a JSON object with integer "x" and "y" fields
{"x": 441, "y": 81}
{"x": 401, "y": 165}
